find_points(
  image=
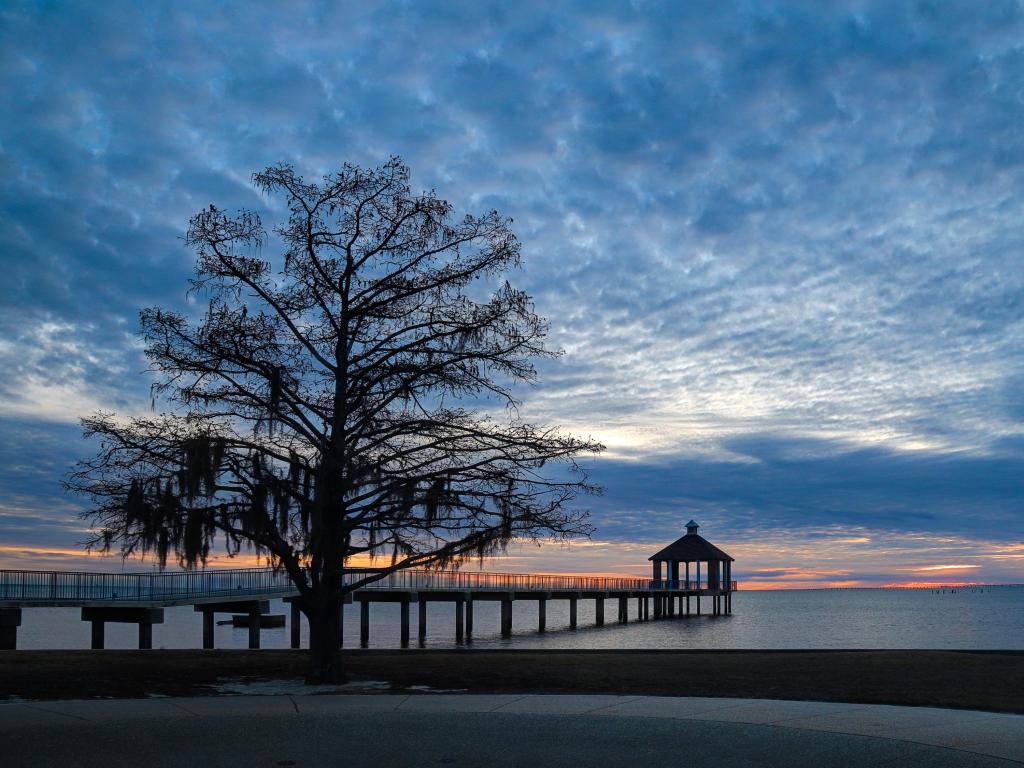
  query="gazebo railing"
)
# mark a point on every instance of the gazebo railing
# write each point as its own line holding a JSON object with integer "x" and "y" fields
{"x": 689, "y": 586}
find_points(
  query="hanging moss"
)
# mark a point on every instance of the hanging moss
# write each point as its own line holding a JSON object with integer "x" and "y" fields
{"x": 193, "y": 538}
{"x": 135, "y": 505}
{"x": 432, "y": 499}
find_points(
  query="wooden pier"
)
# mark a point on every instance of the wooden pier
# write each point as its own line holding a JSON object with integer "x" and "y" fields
{"x": 140, "y": 598}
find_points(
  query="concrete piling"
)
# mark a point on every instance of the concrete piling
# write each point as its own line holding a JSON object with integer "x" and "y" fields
{"x": 506, "y": 617}
{"x": 364, "y": 623}
{"x": 295, "y": 628}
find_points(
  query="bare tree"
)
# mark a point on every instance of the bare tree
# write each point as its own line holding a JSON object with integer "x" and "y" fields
{"x": 316, "y": 410}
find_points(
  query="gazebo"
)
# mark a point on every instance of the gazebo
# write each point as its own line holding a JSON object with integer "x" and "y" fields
{"x": 693, "y": 548}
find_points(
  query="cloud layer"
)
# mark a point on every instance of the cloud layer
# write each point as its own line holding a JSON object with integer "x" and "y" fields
{"x": 779, "y": 242}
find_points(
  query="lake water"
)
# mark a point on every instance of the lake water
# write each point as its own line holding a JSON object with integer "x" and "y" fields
{"x": 968, "y": 618}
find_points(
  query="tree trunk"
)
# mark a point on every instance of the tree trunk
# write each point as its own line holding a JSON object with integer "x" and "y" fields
{"x": 325, "y": 656}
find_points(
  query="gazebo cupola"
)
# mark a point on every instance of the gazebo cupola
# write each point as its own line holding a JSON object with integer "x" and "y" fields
{"x": 692, "y": 548}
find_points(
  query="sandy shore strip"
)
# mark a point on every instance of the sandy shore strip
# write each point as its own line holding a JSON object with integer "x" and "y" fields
{"x": 981, "y": 680}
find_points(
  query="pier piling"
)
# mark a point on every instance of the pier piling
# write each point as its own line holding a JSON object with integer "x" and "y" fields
{"x": 296, "y": 632}
{"x": 506, "y": 617}
{"x": 364, "y": 623}
{"x": 422, "y": 631}
{"x": 404, "y": 639}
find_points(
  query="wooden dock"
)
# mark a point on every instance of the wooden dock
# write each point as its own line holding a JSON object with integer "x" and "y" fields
{"x": 140, "y": 598}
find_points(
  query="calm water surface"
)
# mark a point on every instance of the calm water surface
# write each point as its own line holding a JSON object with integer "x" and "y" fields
{"x": 969, "y": 618}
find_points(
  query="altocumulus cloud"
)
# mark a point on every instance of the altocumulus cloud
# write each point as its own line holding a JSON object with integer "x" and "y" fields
{"x": 779, "y": 242}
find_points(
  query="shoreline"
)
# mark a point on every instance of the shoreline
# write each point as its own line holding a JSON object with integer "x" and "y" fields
{"x": 988, "y": 680}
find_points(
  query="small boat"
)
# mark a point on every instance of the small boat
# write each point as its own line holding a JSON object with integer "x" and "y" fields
{"x": 267, "y": 620}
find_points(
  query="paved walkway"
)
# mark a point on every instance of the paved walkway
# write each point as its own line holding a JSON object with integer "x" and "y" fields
{"x": 485, "y": 730}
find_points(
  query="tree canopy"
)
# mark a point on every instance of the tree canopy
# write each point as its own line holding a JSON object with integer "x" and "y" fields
{"x": 351, "y": 394}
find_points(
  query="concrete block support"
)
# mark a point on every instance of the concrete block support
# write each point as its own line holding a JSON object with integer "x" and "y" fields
{"x": 599, "y": 611}
{"x": 572, "y": 613}
{"x": 10, "y": 620}
{"x": 542, "y": 615}
{"x": 144, "y": 617}
{"x": 623, "y": 610}
{"x": 469, "y": 619}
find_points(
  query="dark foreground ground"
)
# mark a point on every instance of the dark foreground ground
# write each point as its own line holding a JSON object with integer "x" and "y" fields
{"x": 987, "y": 680}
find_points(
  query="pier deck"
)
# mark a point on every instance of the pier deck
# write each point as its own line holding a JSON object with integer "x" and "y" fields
{"x": 140, "y": 598}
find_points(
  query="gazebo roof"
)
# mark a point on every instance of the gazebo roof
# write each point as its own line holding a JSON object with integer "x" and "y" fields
{"x": 691, "y": 548}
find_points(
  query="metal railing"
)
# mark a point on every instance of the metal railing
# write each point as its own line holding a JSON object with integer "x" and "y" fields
{"x": 482, "y": 580}
{"x": 74, "y": 588}
{"x": 691, "y": 586}
{"x": 77, "y": 588}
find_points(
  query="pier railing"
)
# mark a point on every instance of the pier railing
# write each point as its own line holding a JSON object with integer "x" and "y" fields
{"x": 482, "y": 580}
{"x": 74, "y": 588}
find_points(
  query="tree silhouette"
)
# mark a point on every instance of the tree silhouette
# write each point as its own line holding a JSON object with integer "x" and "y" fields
{"x": 316, "y": 406}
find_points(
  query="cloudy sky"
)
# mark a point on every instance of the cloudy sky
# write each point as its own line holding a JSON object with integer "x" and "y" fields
{"x": 782, "y": 245}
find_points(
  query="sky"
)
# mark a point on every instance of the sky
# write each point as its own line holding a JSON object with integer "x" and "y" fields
{"x": 779, "y": 242}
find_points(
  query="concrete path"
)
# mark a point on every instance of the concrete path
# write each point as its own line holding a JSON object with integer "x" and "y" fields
{"x": 499, "y": 730}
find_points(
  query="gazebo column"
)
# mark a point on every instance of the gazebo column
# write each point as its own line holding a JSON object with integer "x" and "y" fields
{"x": 728, "y": 587}
{"x": 688, "y": 587}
